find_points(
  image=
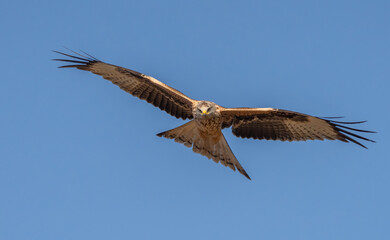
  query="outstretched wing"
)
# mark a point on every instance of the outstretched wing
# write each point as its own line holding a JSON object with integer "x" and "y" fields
{"x": 142, "y": 86}
{"x": 277, "y": 124}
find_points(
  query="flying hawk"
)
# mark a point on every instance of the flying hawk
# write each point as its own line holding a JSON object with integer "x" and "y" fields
{"x": 203, "y": 133}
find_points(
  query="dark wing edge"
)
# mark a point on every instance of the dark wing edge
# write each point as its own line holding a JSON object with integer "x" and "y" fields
{"x": 241, "y": 120}
{"x": 346, "y": 136}
{"x": 82, "y": 62}
{"x": 139, "y": 85}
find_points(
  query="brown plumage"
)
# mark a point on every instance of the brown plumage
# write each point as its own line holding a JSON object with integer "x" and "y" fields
{"x": 277, "y": 124}
{"x": 204, "y": 133}
{"x": 137, "y": 84}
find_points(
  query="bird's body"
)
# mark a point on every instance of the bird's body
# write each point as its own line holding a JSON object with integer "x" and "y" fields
{"x": 208, "y": 116}
{"x": 204, "y": 132}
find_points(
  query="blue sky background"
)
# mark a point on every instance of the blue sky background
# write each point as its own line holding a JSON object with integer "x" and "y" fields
{"x": 79, "y": 158}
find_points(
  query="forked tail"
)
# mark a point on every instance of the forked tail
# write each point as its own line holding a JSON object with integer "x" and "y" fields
{"x": 212, "y": 146}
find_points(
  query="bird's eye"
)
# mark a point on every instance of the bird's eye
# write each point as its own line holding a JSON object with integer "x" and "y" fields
{"x": 208, "y": 109}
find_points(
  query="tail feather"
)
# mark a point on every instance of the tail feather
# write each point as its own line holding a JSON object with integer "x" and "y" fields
{"x": 213, "y": 147}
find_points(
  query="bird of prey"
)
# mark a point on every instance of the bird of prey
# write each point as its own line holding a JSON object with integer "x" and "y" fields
{"x": 203, "y": 133}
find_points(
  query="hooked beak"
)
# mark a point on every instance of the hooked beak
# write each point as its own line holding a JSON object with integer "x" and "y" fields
{"x": 204, "y": 112}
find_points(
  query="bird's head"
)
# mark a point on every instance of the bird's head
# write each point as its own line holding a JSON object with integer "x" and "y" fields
{"x": 205, "y": 109}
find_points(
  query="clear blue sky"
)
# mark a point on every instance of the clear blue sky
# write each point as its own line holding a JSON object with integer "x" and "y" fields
{"x": 79, "y": 158}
